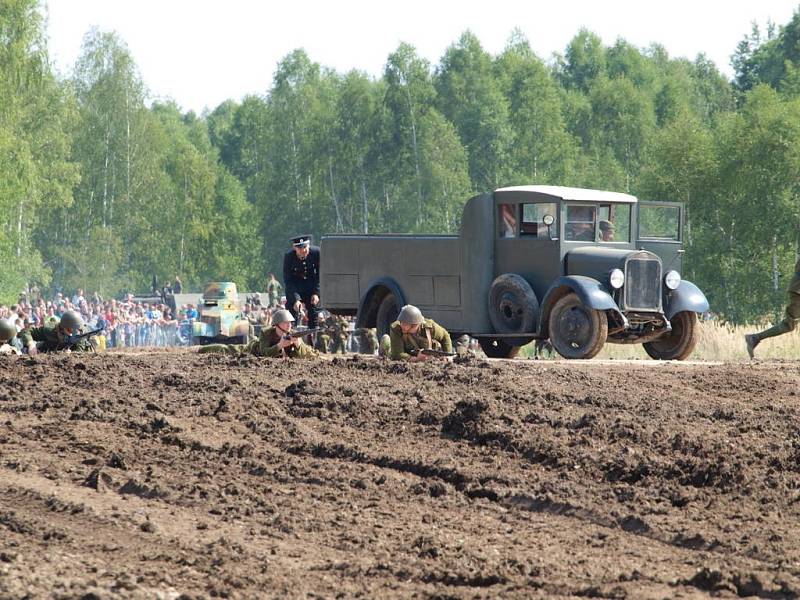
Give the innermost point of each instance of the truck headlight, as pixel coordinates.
(672, 279)
(616, 278)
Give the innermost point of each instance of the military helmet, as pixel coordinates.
(71, 320)
(410, 314)
(282, 316)
(606, 225)
(7, 331)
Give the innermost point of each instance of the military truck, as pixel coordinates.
(579, 267)
(220, 316)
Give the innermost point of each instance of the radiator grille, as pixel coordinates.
(643, 283)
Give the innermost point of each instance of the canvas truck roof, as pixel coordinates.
(571, 193)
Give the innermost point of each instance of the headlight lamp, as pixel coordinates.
(616, 278)
(672, 279)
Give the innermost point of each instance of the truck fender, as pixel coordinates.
(590, 292)
(686, 297)
(377, 289)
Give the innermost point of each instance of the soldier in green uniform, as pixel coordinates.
(790, 320)
(413, 332)
(274, 342)
(8, 332)
(56, 338)
(274, 290)
(367, 340)
(339, 335)
(323, 342)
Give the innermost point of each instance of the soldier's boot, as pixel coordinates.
(751, 341)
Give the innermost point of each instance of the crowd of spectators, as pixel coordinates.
(125, 322)
(130, 322)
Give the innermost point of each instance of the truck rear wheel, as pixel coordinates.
(387, 314)
(495, 348)
(577, 331)
(679, 343)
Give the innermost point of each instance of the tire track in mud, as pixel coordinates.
(464, 484)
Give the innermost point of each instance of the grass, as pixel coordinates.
(718, 341)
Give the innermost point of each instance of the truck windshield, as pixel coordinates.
(580, 223)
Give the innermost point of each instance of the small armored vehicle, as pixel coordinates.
(576, 266)
(220, 316)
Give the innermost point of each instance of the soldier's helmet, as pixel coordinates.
(606, 225)
(7, 331)
(71, 320)
(282, 316)
(410, 314)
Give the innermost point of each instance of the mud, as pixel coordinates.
(179, 475)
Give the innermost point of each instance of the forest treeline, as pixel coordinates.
(102, 189)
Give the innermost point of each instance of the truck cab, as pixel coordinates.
(601, 267)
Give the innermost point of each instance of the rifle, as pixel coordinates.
(298, 333)
(71, 340)
(432, 352)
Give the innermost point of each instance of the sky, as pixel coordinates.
(201, 53)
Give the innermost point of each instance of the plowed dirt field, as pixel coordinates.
(181, 475)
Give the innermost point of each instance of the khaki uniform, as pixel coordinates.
(274, 290)
(266, 345)
(368, 339)
(429, 336)
(792, 312)
(339, 336)
(323, 342)
(52, 339)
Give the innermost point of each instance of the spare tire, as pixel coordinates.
(513, 307)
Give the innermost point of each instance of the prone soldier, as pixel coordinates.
(67, 335)
(8, 332)
(412, 333)
(339, 335)
(274, 342)
(368, 340)
(323, 341)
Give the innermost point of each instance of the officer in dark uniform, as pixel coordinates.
(301, 277)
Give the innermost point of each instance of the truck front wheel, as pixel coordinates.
(679, 343)
(577, 331)
(497, 348)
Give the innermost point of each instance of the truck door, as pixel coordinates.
(660, 231)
